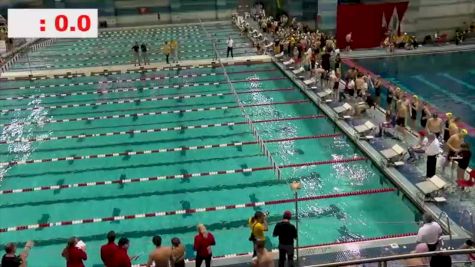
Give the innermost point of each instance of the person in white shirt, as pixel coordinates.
(429, 232)
(230, 43)
(432, 150)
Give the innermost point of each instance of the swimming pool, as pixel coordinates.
(446, 81)
(114, 47)
(80, 140)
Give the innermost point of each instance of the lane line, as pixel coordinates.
(177, 176)
(153, 113)
(195, 210)
(99, 91)
(156, 130)
(163, 150)
(142, 100)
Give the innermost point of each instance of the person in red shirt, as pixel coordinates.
(202, 246)
(121, 258)
(74, 256)
(108, 250)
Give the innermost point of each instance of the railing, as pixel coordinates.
(442, 214)
(385, 259)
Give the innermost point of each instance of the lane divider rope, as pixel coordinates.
(142, 100)
(129, 89)
(153, 113)
(196, 210)
(156, 130)
(177, 176)
(163, 150)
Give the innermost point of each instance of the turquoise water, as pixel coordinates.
(326, 220)
(115, 47)
(446, 81)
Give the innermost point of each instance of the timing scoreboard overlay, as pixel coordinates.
(52, 23)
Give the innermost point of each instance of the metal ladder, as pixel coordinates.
(441, 215)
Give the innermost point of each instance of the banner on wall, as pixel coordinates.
(368, 23)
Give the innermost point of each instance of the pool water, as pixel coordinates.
(446, 81)
(115, 47)
(326, 220)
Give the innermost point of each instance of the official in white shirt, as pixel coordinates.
(432, 150)
(230, 43)
(429, 232)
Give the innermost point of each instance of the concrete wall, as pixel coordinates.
(425, 17)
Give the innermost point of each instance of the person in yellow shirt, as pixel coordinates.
(166, 51)
(258, 225)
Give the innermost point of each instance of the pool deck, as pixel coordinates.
(430, 49)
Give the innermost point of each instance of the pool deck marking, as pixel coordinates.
(165, 150)
(178, 128)
(178, 176)
(156, 78)
(144, 100)
(196, 210)
(450, 77)
(164, 112)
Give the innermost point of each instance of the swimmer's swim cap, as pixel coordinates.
(464, 131)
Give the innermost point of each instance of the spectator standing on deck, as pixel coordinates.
(348, 40)
(429, 232)
(230, 44)
(286, 233)
(10, 259)
(425, 114)
(453, 145)
(160, 256)
(434, 125)
(432, 150)
(178, 253)
(121, 258)
(143, 50)
(258, 225)
(166, 49)
(135, 51)
(446, 126)
(74, 253)
(108, 250)
(202, 245)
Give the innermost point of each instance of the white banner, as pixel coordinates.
(52, 23)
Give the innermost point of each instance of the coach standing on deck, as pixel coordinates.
(286, 233)
(230, 43)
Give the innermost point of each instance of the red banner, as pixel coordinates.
(368, 23)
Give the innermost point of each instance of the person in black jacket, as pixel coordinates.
(286, 233)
